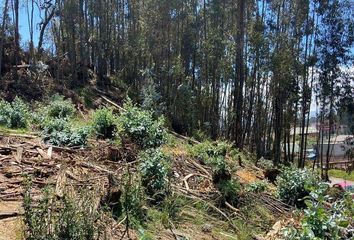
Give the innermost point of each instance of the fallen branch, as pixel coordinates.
(98, 168)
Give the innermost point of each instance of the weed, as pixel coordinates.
(58, 107)
(257, 187)
(293, 184)
(15, 114)
(141, 128)
(230, 191)
(67, 218)
(104, 123)
(59, 132)
(154, 171)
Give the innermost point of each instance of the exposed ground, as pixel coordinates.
(23, 156)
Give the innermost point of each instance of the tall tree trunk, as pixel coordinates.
(2, 39)
(239, 76)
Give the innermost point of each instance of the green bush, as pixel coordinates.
(15, 114)
(141, 128)
(71, 219)
(322, 222)
(257, 187)
(5, 109)
(59, 132)
(208, 151)
(104, 123)
(133, 201)
(214, 154)
(229, 190)
(58, 107)
(154, 171)
(293, 184)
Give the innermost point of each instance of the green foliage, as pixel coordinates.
(58, 107)
(321, 222)
(230, 190)
(15, 114)
(87, 96)
(72, 219)
(151, 98)
(265, 164)
(208, 151)
(257, 187)
(293, 184)
(59, 132)
(154, 172)
(213, 154)
(133, 200)
(141, 128)
(104, 123)
(341, 174)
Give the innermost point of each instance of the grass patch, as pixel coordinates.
(6, 130)
(341, 174)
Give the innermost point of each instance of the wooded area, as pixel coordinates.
(148, 116)
(247, 71)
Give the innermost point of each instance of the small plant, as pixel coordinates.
(133, 200)
(67, 218)
(264, 164)
(151, 98)
(257, 187)
(154, 172)
(15, 114)
(230, 190)
(104, 123)
(141, 128)
(321, 222)
(58, 107)
(5, 109)
(293, 184)
(207, 151)
(59, 132)
(214, 154)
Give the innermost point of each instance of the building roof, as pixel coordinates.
(339, 139)
(311, 130)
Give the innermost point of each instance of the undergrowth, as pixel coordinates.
(104, 123)
(15, 114)
(293, 185)
(67, 218)
(140, 126)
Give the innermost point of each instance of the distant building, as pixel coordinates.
(338, 146)
(311, 131)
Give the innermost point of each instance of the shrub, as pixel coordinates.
(58, 107)
(5, 109)
(58, 132)
(265, 164)
(322, 222)
(229, 190)
(214, 154)
(104, 123)
(133, 200)
(208, 151)
(293, 184)
(151, 98)
(257, 187)
(71, 218)
(154, 172)
(141, 128)
(14, 115)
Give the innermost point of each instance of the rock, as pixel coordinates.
(207, 228)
